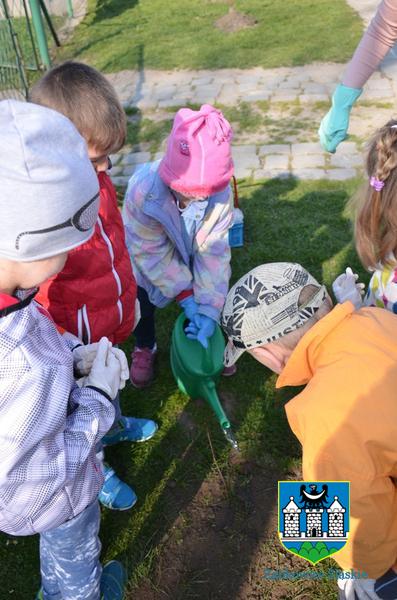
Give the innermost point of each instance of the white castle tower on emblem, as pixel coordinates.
(335, 519)
(291, 519)
(314, 522)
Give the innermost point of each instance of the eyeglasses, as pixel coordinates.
(82, 220)
(97, 161)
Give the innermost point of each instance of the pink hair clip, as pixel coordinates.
(376, 183)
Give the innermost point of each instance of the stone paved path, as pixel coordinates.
(308, 86)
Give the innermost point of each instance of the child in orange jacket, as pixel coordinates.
(345, 416)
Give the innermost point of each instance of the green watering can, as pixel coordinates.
(197, 370)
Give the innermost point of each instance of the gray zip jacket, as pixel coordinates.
(48, 426)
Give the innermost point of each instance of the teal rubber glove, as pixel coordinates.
(334, 126)
(201, 330)
(190, 307)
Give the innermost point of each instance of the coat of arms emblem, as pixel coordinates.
(313, 517)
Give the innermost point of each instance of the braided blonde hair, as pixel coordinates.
(376, 211)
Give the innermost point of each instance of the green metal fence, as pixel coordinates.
(27, 34)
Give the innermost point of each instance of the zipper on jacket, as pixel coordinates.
(114, 272)
(83, 325)
(120, 307)
(86, 326)
(80, 324)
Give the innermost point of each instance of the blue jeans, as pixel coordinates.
(69, 558)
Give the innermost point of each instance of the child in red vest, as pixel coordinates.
(95, 294)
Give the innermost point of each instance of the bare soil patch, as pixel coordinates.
(220, 546)
(235, 21)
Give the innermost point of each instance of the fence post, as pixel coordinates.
(40, 32)
(16, 48)
(70, 8)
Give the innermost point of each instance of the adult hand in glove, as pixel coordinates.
(84, 356)
(201, 329)
(346, 287)
(105, 373)
(190, 307)
(334, 126)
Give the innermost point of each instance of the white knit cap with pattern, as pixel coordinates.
(49, 195)
(265, 305)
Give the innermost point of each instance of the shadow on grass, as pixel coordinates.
(134, 115)
(304, 222)
(105, 38)
(108, 9)
(285, 220)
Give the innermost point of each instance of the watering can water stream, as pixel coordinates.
(197, 370)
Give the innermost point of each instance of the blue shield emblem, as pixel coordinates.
(313, 517)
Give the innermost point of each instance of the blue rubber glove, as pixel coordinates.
(190, 307)
(334, 126)
(201, 329)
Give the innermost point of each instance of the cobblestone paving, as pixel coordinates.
(308, 86)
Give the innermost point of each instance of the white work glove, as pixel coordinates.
(84, 356)
(357, 589)
(346, 287)
(105, 373)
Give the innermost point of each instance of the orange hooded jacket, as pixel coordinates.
(346, 421)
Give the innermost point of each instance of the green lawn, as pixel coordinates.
(131, 34)
(284, 220)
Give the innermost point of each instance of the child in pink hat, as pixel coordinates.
(177, 213)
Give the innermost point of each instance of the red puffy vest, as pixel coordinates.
(95, 294)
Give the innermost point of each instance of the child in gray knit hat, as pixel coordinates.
(50, 476)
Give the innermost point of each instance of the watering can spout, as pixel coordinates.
(197, 370)
(210, 394)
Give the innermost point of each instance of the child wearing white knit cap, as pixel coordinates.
(50, 476)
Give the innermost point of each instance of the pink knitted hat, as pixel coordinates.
(198, 160)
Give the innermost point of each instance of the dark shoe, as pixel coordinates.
(229, 371)
(142, 367)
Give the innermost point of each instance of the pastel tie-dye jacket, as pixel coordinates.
(163, 265)
(382, 289)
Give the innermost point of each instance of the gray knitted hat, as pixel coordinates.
(49, 197)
